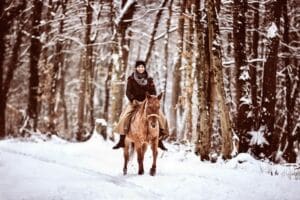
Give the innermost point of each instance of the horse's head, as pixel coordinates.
(152, 109)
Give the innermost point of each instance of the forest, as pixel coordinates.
(229, 70)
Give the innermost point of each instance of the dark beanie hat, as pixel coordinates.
(140, 62)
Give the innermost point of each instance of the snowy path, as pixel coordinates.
(57, 170)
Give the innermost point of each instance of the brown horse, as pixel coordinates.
(144, 130)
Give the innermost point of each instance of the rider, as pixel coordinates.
(138, 84)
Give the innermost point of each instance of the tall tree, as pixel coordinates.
(254, 66)
(56, 73)
(84, 106)
(120, 56)
(203, 94)
(6, 21)
(189, 56)
(166, 50)
(154, 30)
(35, 51)
(292, 90)
(217, 95)
(176, 72)
(269, 82)
(243, 91)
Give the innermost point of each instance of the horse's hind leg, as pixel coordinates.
(140, 155)
(126, 158)
(154, 145)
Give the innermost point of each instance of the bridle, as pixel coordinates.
(148, 116)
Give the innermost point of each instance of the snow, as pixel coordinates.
(245, 100)
(257, 137)
(244, 76)
(272, 31)
(124, 10)
(40, 169)
(101, 121)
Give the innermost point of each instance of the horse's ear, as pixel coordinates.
(160, 96)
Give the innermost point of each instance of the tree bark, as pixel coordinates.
(166, 52)
(120, 59)
(176, 74)
(154, 30)
(253, 69)
(288, 139)
(217, 86)
(56, 78)
(35, 51)
(202, 75)
(85, 80)
(269, 88)
(6, 20)
(189, 72)
(243, 90)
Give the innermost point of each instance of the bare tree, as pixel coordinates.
(84, 106)
(154, 30)
(120, 56)
(243, 90)
(189, 56)
(216, 80)
(6, 21)
(35, 51)
(176, 72)
(56, 77)
(269, 85)
(203, 94)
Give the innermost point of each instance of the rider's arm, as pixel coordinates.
(151, 87)
(129, 89)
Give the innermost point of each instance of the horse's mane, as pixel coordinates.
(138, 107)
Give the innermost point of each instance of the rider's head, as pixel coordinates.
(140, 66)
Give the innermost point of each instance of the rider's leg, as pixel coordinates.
(123, 126)
(121, 142)
(163, 131)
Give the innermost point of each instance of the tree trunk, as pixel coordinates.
(120, 59)
(166, 52)
(176, 74)
(243, 91)
(85, 79)
(6, 19)
(217, 85)
(288, 139)
(154, 30)
(269, 88)
(202, 75)
(188, 133)
(56, 76)
(35, 51)
(253, 69)
(13, 64)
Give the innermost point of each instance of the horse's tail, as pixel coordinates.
(131, 150)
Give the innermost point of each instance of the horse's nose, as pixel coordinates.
(153, 124)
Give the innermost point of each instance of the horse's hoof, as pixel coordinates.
(141, 172)
(124, 172)
(152, 172)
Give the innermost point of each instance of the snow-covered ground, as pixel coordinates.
(60, 170)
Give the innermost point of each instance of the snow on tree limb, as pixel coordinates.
(128, 4)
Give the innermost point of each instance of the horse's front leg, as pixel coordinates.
(126, 157)
(140, 157)
(154, 145)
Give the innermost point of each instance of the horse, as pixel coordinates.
(144, 131)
